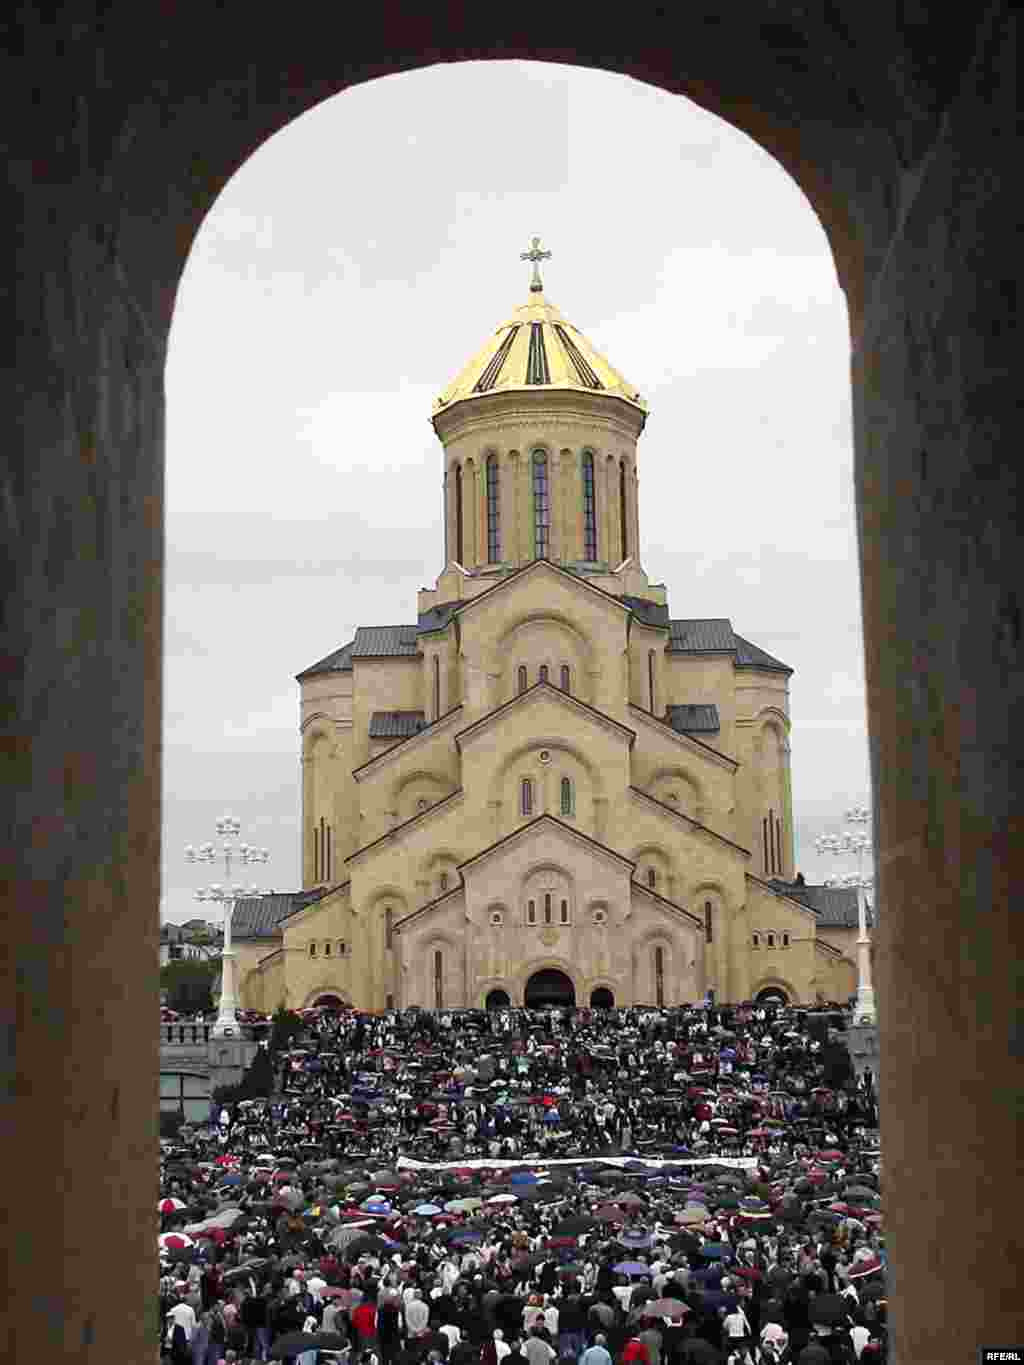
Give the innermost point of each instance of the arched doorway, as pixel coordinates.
(497, 1000)
(602, 999)
(330, 1002)
(549, 987)
(772, 995)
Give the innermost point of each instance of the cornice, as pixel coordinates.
(444, 805)
(669, 905)
(774, 891)
(518, 409)
(686, 741)
(687, 820)
(530, 827)
(406, 746)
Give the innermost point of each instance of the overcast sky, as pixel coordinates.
(353, 266)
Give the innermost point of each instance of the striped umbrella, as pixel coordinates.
(169, 1205)
(175, 1241)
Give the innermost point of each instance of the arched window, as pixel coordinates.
(458, 513)
(542, 675)
(589, 509)
(389, 926)
(650, 678)
(708, 928)
(623, 531)
(565, 679)
(526, 796)
(785, 940)
(541, 505)
(564, 912)
(493, 512)
(659, 976)
(547, 907)
(437, 687)
(568, 805)
(312, 950)
(531, 912)
(438, 980)
(327, 948)
(342, 948)
(522, 678)
(652, 878)
(757, 939)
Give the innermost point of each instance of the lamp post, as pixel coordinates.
(228, 828)
(856, 841)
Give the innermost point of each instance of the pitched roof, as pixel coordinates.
(261, 916)
(396, 724)
(694, 718)
(715, 635)
(835, 906)
(648, 612)
(340, 661)
(374, 642)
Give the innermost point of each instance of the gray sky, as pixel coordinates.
(353, 266)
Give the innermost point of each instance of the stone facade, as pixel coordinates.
(504, 788)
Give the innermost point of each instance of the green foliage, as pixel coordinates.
(256, 1084)
(284, 1026)
(188, 983)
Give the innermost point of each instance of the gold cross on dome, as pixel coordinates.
(535, 256)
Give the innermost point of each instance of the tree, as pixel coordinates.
(188, 983)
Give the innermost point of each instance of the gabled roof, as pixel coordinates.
(715, 635)
(340, 661)
(694, 718)
(547, 688)
(376, 642)
(547, 818)
(688, 820)
(396, 724)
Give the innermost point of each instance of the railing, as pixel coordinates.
(185, 1033)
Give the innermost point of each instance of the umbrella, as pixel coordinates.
(175, 1241)
(503, 1199)
(427, 1210)
(666, 1308)
(294, 1343)
(866, 1267)
(716, 1251)
(572, 1227)
(522, 1178)
(631, 1268)
(169, 1205)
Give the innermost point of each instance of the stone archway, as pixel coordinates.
(328, 1000)
(602, 998)
(772, 995)
(549, 986)
(497, 999)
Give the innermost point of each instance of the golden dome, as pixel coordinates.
(537, 349)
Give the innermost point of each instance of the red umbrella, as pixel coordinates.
(169, 1206)
(861, 1269)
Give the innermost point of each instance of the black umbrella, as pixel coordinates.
(572, 1227)
(362, 1246)
(830, 1310)
(294, 1343)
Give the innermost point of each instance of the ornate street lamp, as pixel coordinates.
(855, 841)
(228, 828)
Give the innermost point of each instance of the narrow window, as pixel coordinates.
(312, 950)
(757, 939)
(493, 513)
(323, 850)
(316, 854)
(526, 797)
(771, 940)
(389, 1002)
(623, 533)
(542, 675)
(778, 846)
(565, 679)
(458, 513)
(327, 831)
(444, 881)
(522, 681)
(659, 976)
(438, 980)
(541, 505)
(589, 510)
(547, 908)
(785, 940)
(708, 935)
(531, 912)
(567, 801)
(341, 947)
(565, 912)
(767, 847)
(652, 878)
(437, 687)
(327, 948)
(389, 926)
(650, 678)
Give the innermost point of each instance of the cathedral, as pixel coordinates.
(545, 789)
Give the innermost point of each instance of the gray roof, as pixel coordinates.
(338, 662)
(835, 906)
(373, 642)
(396, 724)
(710, 636)
(437, 616)
(261, 916)
(751, 656)
(650, 613)
(694, 718)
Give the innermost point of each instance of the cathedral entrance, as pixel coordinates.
(602, 999)
(549, 987)
(772, 995)
(497, 1000)
(330, 1002)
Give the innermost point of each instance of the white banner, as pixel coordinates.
(734, 1163)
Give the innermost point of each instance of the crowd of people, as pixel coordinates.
(557, 1187)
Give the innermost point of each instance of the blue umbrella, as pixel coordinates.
(425, 1210)
(631, 1268)
(639, 1240)
(232, 1180)
(552, 1116)
(467, 1235)
(522, 1178)
(716, 1251)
